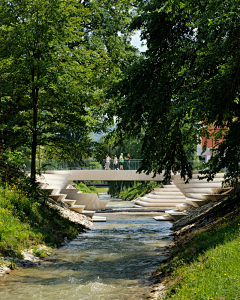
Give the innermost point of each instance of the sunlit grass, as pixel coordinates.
(208, 267)
(102, 190)
(26, 221)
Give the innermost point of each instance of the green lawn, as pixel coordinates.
(206, 267)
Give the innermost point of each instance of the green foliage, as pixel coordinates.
(27, 220)
(85, 189)
(188, 75)
(102, 190)
(41, 253)
(12, 265)
(56, 60)
(131, 190)
(132, 146)
(11, 167)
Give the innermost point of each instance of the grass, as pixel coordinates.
(27, 220)
(207, 266)
(102, 190)
(86, 189)
(41, 253)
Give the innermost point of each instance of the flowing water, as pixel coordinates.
(111, 261)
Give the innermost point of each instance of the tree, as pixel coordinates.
(187, 80)
(54, 72)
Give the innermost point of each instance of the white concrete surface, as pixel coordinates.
(77, 208)
(107, 175)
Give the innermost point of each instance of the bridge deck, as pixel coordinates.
(107, 175)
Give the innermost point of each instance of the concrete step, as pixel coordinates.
(180, 181)
(52, 191)
(175, 200)
(58, 197)
(77, 208)
(150, 204)
(167, 190)
(196, 202)
(98, 219)
(209, 197)
(54, 180)
(175, 215)
(165, 196)
(69, 201)
(183, 206)
(200, 184)
(163, 218)
(163, 192)
(70, 192)
(89, 213)
(169, 186)
(207, 190)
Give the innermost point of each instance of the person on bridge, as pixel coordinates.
(107, 162)
(128, 161)
(121, 160)
(115, 162)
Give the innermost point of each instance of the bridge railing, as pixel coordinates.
(52, 164)
(135, 164)
(90, 164)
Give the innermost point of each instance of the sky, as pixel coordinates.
(137, 43)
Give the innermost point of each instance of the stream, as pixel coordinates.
(111, 261)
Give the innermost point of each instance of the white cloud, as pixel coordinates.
(137, 42)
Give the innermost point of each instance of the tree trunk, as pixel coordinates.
(34, 131)
(33, 157)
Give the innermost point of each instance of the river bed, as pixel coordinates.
(111, 261)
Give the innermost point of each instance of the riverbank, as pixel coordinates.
(203, 258)
(31, 226)
(112, 261)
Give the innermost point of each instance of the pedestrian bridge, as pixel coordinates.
(106, 175)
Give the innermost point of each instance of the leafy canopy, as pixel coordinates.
(187, 80)
(57, 59)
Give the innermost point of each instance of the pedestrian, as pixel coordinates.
(121, 160)
(115, 162)
(128, 161)
(107, 162)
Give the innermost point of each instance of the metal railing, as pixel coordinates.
(90, 164)
(135, 164)
(51, 164)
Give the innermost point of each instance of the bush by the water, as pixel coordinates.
(129, 190)
(27, 220)
(86, 189)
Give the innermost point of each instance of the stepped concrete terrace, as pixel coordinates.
(165, 196)
(197, 193)
(57, 187)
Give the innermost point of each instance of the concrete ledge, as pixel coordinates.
(163, 218)
(107, 175)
